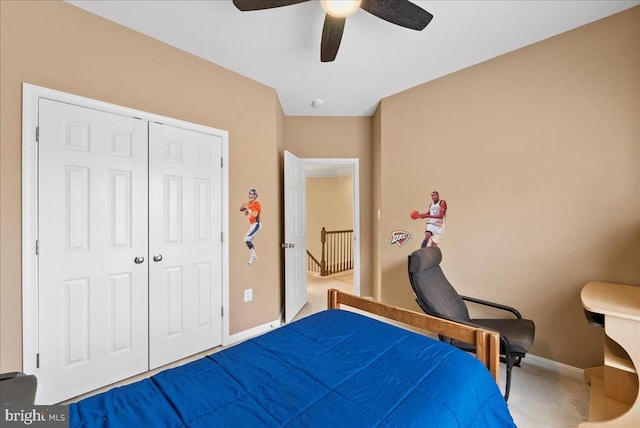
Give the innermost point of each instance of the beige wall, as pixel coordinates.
(340, 137)
(537, 153)
(329, 205)
(56, 45)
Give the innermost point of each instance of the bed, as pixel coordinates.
(331, 369)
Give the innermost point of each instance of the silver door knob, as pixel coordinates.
(157, 258)
(139, 260)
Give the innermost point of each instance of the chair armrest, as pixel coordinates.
(506, 308)
(504, 340)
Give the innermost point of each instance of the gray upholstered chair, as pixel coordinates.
(437, 297)
(17, 389)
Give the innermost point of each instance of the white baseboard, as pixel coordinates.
(560, 369)
(255, 331)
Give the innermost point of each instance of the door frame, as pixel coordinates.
(354, 164)
(30, 96)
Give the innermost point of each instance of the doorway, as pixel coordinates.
(295, 230)
(343, 171)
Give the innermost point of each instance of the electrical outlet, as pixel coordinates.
(248, 294)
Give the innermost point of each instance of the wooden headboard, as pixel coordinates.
(487, 342)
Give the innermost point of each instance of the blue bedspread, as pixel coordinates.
(332, 369)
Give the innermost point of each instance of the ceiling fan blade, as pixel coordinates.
(331, 37)
(247, 5)
(399, 12)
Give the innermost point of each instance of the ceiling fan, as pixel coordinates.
(399, 12)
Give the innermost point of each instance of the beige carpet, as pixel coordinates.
(539, 398)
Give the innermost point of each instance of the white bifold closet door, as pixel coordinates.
(92, 224)
(129, 264)
(185, 277)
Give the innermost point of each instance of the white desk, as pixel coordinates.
(614, 400)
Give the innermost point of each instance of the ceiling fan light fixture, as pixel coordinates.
(340, 8)
(403, 13)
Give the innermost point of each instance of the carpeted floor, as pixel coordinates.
(539, 397)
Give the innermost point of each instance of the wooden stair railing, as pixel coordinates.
(313, 265)
(337, 252)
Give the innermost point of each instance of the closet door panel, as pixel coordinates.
(92, 224)
(185, 277)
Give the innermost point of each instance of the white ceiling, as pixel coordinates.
(281, 47)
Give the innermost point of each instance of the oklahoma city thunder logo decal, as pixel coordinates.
(399, 237)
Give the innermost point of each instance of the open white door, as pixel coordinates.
(295, 239)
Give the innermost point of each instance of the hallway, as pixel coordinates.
(317, 287)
